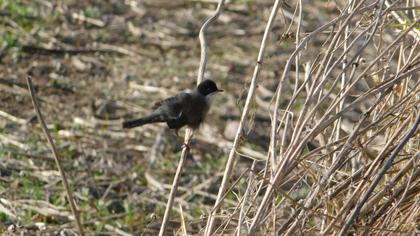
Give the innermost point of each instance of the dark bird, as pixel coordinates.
(182, 109)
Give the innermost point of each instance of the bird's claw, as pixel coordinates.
(186, 146)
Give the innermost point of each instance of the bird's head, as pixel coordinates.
(208, 87)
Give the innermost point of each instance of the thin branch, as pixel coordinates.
(378, 178)
(55, 154)
(203, 41)
(188, 132)
(175, 184)
(231, 159)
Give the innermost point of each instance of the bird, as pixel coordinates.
(184, 109)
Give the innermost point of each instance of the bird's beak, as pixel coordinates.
(220, 90)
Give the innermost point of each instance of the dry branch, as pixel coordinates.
(51, 144)
(231, 159)
(380, 175)
(325, 92)
(189, 132)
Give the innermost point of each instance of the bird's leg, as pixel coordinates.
(186, 146)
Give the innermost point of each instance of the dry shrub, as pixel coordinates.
(344, 152)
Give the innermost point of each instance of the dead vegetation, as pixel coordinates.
(322, 140)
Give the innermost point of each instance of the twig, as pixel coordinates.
(88, 20)
(12, 118)
(415, 33)
(116, 230)
(188, 132)
(231, 158)
(55, 154)
(99, 48)
(4, 138)
(378, 178)
(175, 183)
(242, 212)
(184, 227)
(203, 41)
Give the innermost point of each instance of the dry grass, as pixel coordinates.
(327, 143)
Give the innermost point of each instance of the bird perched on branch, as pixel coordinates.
(182, 109)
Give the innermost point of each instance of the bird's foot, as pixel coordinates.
(186, 146)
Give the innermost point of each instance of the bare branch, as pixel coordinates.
(55, 154)
(189, 132)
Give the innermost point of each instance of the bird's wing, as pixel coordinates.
(173, 106)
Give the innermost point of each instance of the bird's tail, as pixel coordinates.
(152, 118)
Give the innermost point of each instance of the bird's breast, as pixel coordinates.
(197, 111)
